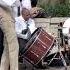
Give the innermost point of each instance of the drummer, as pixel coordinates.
(66, 30)
(66, 33)
(24, 26)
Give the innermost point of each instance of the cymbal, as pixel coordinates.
(60, 27)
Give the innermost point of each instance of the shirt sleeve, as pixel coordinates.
(18, 27)
(65, 31)
(19, 31)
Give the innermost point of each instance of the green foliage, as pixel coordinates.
(58, 10)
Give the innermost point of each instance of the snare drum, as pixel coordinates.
(38, 46)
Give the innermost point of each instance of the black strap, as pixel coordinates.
(19, 11)
(1, 42)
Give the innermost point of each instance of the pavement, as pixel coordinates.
(50, 68)
(31, 67)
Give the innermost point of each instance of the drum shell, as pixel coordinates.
(39, 48)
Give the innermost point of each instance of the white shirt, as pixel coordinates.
(20, 25)
(12, 5)
(8, 2)
(66, 26)
(26, 4)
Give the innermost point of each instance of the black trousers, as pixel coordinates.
(22, 45)
(1, 43)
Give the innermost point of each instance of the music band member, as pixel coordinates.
(66, 29)
(24, 27)
(66, 33)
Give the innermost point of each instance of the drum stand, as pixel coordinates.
(59, 51)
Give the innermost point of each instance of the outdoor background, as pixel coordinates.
(55, 8)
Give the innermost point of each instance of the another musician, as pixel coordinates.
(66, 33)
(9, 60)
(24, 26)
(66, 28)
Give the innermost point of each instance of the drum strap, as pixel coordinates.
(29, 32)
(19, 11)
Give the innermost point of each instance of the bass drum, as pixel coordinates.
(38, 46)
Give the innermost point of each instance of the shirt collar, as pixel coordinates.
(23, 19)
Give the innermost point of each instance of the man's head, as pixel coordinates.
(25, 14)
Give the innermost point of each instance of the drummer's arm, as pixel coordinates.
(20, 33)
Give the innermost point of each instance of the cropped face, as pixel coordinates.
(26, 14)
